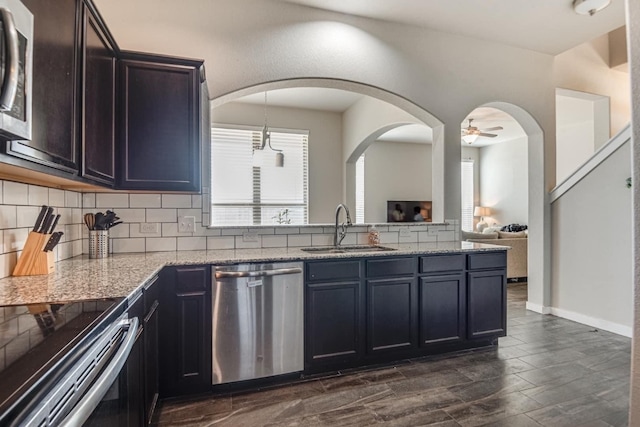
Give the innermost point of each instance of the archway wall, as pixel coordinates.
(444, 74)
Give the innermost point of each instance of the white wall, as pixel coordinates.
(504, 181)
(585, 68)
(591, 256)
(395, 171)
(325, 148)
(473, 153)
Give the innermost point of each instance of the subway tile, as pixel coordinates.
(262, 230)
(1, 191)
(446, 236)
(232, 231)
(170, 229)
(128, 245)
(197, 213)
(65, 250)
(77, 247)
(274, 241)
(135, 230)
(161, 244)
(162, 215)
(8, 217)
(196, 201)
(412, 237)
(205, 219)
(15, 193)
(15, 239)
(312, 230)
(88, 200)
(287, 230)
(66, 215)
(241, 244)
(297, 240)
(2, 250)
(389, 237)
(222, 242)
(425, 236)
(176, 201)
(112, 200)
(321, 239)
(349, 239)
(131, 215)
(145, 200)
(205, 231)
(38, 195)
(205, 203)
(56, 197)
(192, 243)
(71, 199)
(26, 216)
(120, 231)
(76, 216)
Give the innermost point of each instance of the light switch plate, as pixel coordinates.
(186, 224)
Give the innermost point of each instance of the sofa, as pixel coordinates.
(516, 256)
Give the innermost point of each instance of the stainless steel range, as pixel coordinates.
(257, 321)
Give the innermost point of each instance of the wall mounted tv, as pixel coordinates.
(408, 210)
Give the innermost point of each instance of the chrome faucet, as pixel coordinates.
(339, 235)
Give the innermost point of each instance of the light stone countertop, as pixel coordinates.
(81, 278)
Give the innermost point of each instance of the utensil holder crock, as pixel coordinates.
(98, 243)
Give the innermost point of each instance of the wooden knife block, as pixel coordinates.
(33, 261)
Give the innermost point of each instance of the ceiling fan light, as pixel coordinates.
(589, 7)
(469, 138)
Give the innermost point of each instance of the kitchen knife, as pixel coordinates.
(48, 219)
(53, 241)
(55, 222)
(43, 211)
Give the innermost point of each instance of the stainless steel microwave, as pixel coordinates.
(16, 54)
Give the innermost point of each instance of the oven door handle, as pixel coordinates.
(90, 401)
(11, 67)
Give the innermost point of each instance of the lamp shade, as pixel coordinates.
(470, 138)
(481, 211)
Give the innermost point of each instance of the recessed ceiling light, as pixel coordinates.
(589, 7)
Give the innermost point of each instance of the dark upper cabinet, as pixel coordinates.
(54, 140)
(185, 322)
(97, 123)
(443, 301)
(159, 123)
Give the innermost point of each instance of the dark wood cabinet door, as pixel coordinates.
(486, 307)
(134, 386)
(98, 101)
(54, 140)
(334, 323)
(185, 322)
(442, 309)
(159, 122)
(392, 314)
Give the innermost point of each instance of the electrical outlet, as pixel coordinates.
(186, 224)
(149, 227)
(404, 232)
(249, 237)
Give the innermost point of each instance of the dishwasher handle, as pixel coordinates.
(221, 274)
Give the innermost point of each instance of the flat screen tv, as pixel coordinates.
(409, 211)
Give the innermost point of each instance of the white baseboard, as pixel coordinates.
(606, 325)
(538, 308)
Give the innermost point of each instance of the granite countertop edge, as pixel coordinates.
(122, 275)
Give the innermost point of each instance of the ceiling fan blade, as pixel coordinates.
(487, 135)
(492, 129)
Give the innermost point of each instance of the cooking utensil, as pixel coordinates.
(99, 221)
(53, 241)
(90, 220)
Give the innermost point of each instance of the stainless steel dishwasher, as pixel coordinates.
(257, 321)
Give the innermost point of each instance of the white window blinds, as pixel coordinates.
(247, 188)
(466, 169)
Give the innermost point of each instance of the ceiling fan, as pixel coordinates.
(471, 133)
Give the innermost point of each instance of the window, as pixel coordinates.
(466, 169)
(247, 188)
(360, 190)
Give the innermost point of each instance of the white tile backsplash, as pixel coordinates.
(176, 201)
(274, 241)
(26, 215)
(112, 200)
(161, 244)
(299, 240)
(145, 200)
(192, 243)
(56, 197)
(131, 215)
(15, 193)
(88, 200)
(128, 245)
(38, 195)
(221, 242)
(8, 216)
(72, 199)
(162, 215)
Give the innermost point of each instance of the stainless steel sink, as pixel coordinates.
(347, 249)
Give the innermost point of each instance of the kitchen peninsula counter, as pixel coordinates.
(120, 275)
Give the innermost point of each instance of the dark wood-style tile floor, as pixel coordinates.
(547, 372)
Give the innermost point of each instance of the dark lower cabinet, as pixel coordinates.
(135, 387)
(392, 315)
(159, 123)
(151, 350)
(487, 296)
(333, 323)
(443, 301)
(185, 322)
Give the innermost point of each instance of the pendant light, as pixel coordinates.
(266, 138)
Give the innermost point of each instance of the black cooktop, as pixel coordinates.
(37, 338)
